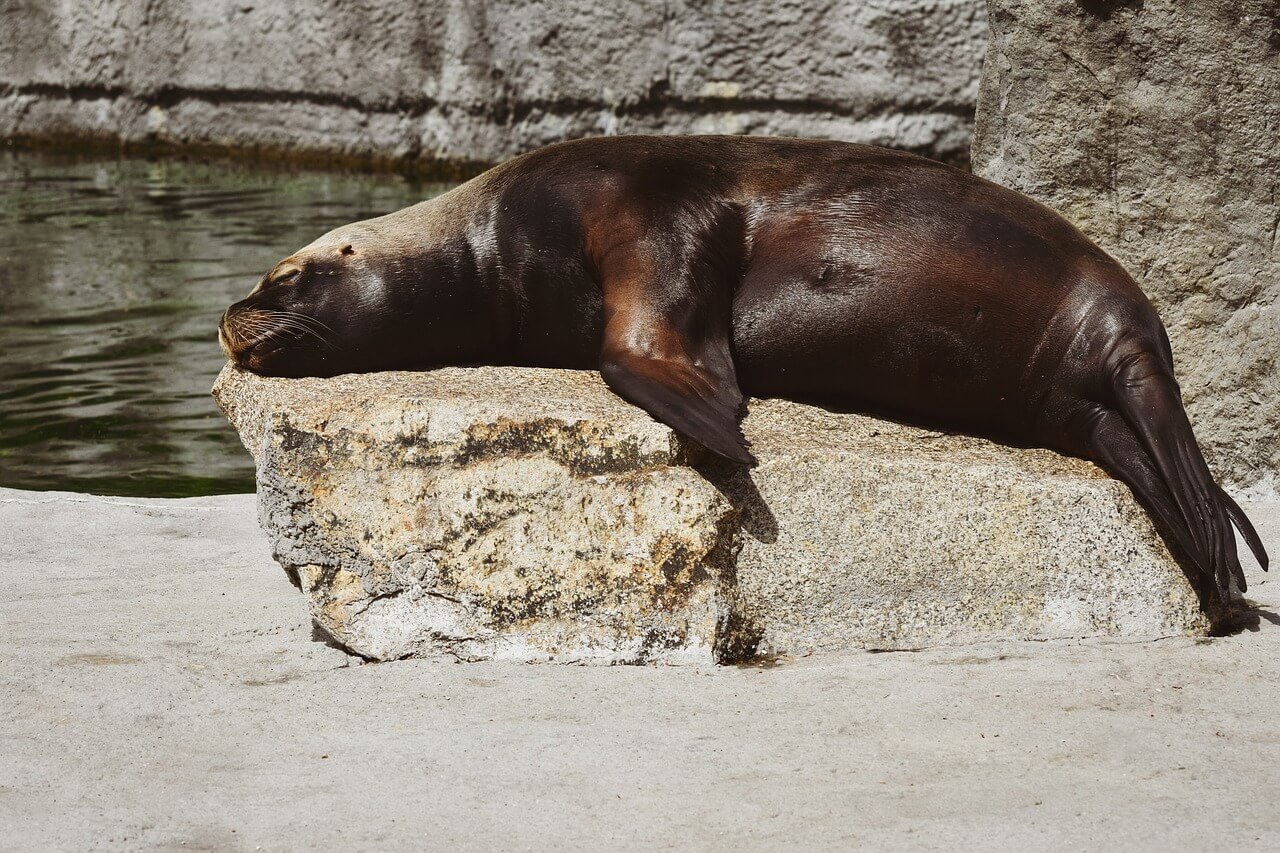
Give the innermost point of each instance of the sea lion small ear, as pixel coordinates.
(346, 249)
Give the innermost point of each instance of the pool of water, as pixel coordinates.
(113, 274)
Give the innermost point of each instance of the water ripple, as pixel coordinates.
(113, 274)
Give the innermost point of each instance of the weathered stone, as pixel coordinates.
(1155, 126)
(460, 80)
(532, 514)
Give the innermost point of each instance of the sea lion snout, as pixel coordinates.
(223, 343)
(243, 331)
(276, 341)
(305, 311)
(276, 329)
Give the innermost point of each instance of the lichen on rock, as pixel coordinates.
(527, 514)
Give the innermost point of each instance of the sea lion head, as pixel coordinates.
(358, 299)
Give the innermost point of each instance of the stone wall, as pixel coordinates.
(1154, 125)
(478, 82)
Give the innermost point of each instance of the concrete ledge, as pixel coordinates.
(160, 689)
(532, 515)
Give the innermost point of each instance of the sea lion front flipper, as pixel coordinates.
(685, 396)
(666, 337)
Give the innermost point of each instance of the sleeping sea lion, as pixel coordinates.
(692, 270)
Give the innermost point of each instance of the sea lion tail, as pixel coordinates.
(1148, 398)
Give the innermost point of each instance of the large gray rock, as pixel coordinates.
(465, 81)
(1155, 126)
(532, 514)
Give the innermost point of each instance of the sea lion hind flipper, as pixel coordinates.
(1112, 444)
(1146, 394)
(684, 396)
(1245, 526)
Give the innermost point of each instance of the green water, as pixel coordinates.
(113, 274)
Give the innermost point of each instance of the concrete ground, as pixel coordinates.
(160, 689)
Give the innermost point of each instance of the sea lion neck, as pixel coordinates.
(450, 292)
(526, 267)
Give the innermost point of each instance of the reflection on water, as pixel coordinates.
(112, 277)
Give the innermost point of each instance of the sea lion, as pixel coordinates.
(690, 270)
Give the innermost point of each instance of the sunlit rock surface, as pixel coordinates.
(533, 515)
(1155, 127)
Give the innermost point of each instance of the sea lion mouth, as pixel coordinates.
(250, 336)
(223, 344)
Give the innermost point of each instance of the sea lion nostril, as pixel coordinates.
(224, 342)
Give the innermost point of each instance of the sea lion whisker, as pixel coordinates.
(246, 319)
(296, 323)
(240, 330)
(258, 325)
(297, 315)
(290, 323)
(246, 324)
(248, 334)
(255, 327)
(262, 338)
(278, 329)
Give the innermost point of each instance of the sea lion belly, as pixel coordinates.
(905, 299)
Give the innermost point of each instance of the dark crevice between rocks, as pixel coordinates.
(506, 111)
(737, 634)
(734, 482)
(1104, 9)
(738, 638)
(682, 574)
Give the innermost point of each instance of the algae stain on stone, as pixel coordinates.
(97, 659)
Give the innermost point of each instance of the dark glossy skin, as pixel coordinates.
(690, 270)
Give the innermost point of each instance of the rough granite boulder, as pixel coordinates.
(457, 80)
(533, 515)
(1154, 125)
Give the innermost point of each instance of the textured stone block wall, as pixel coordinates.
(482, 81)
(1154, 125)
